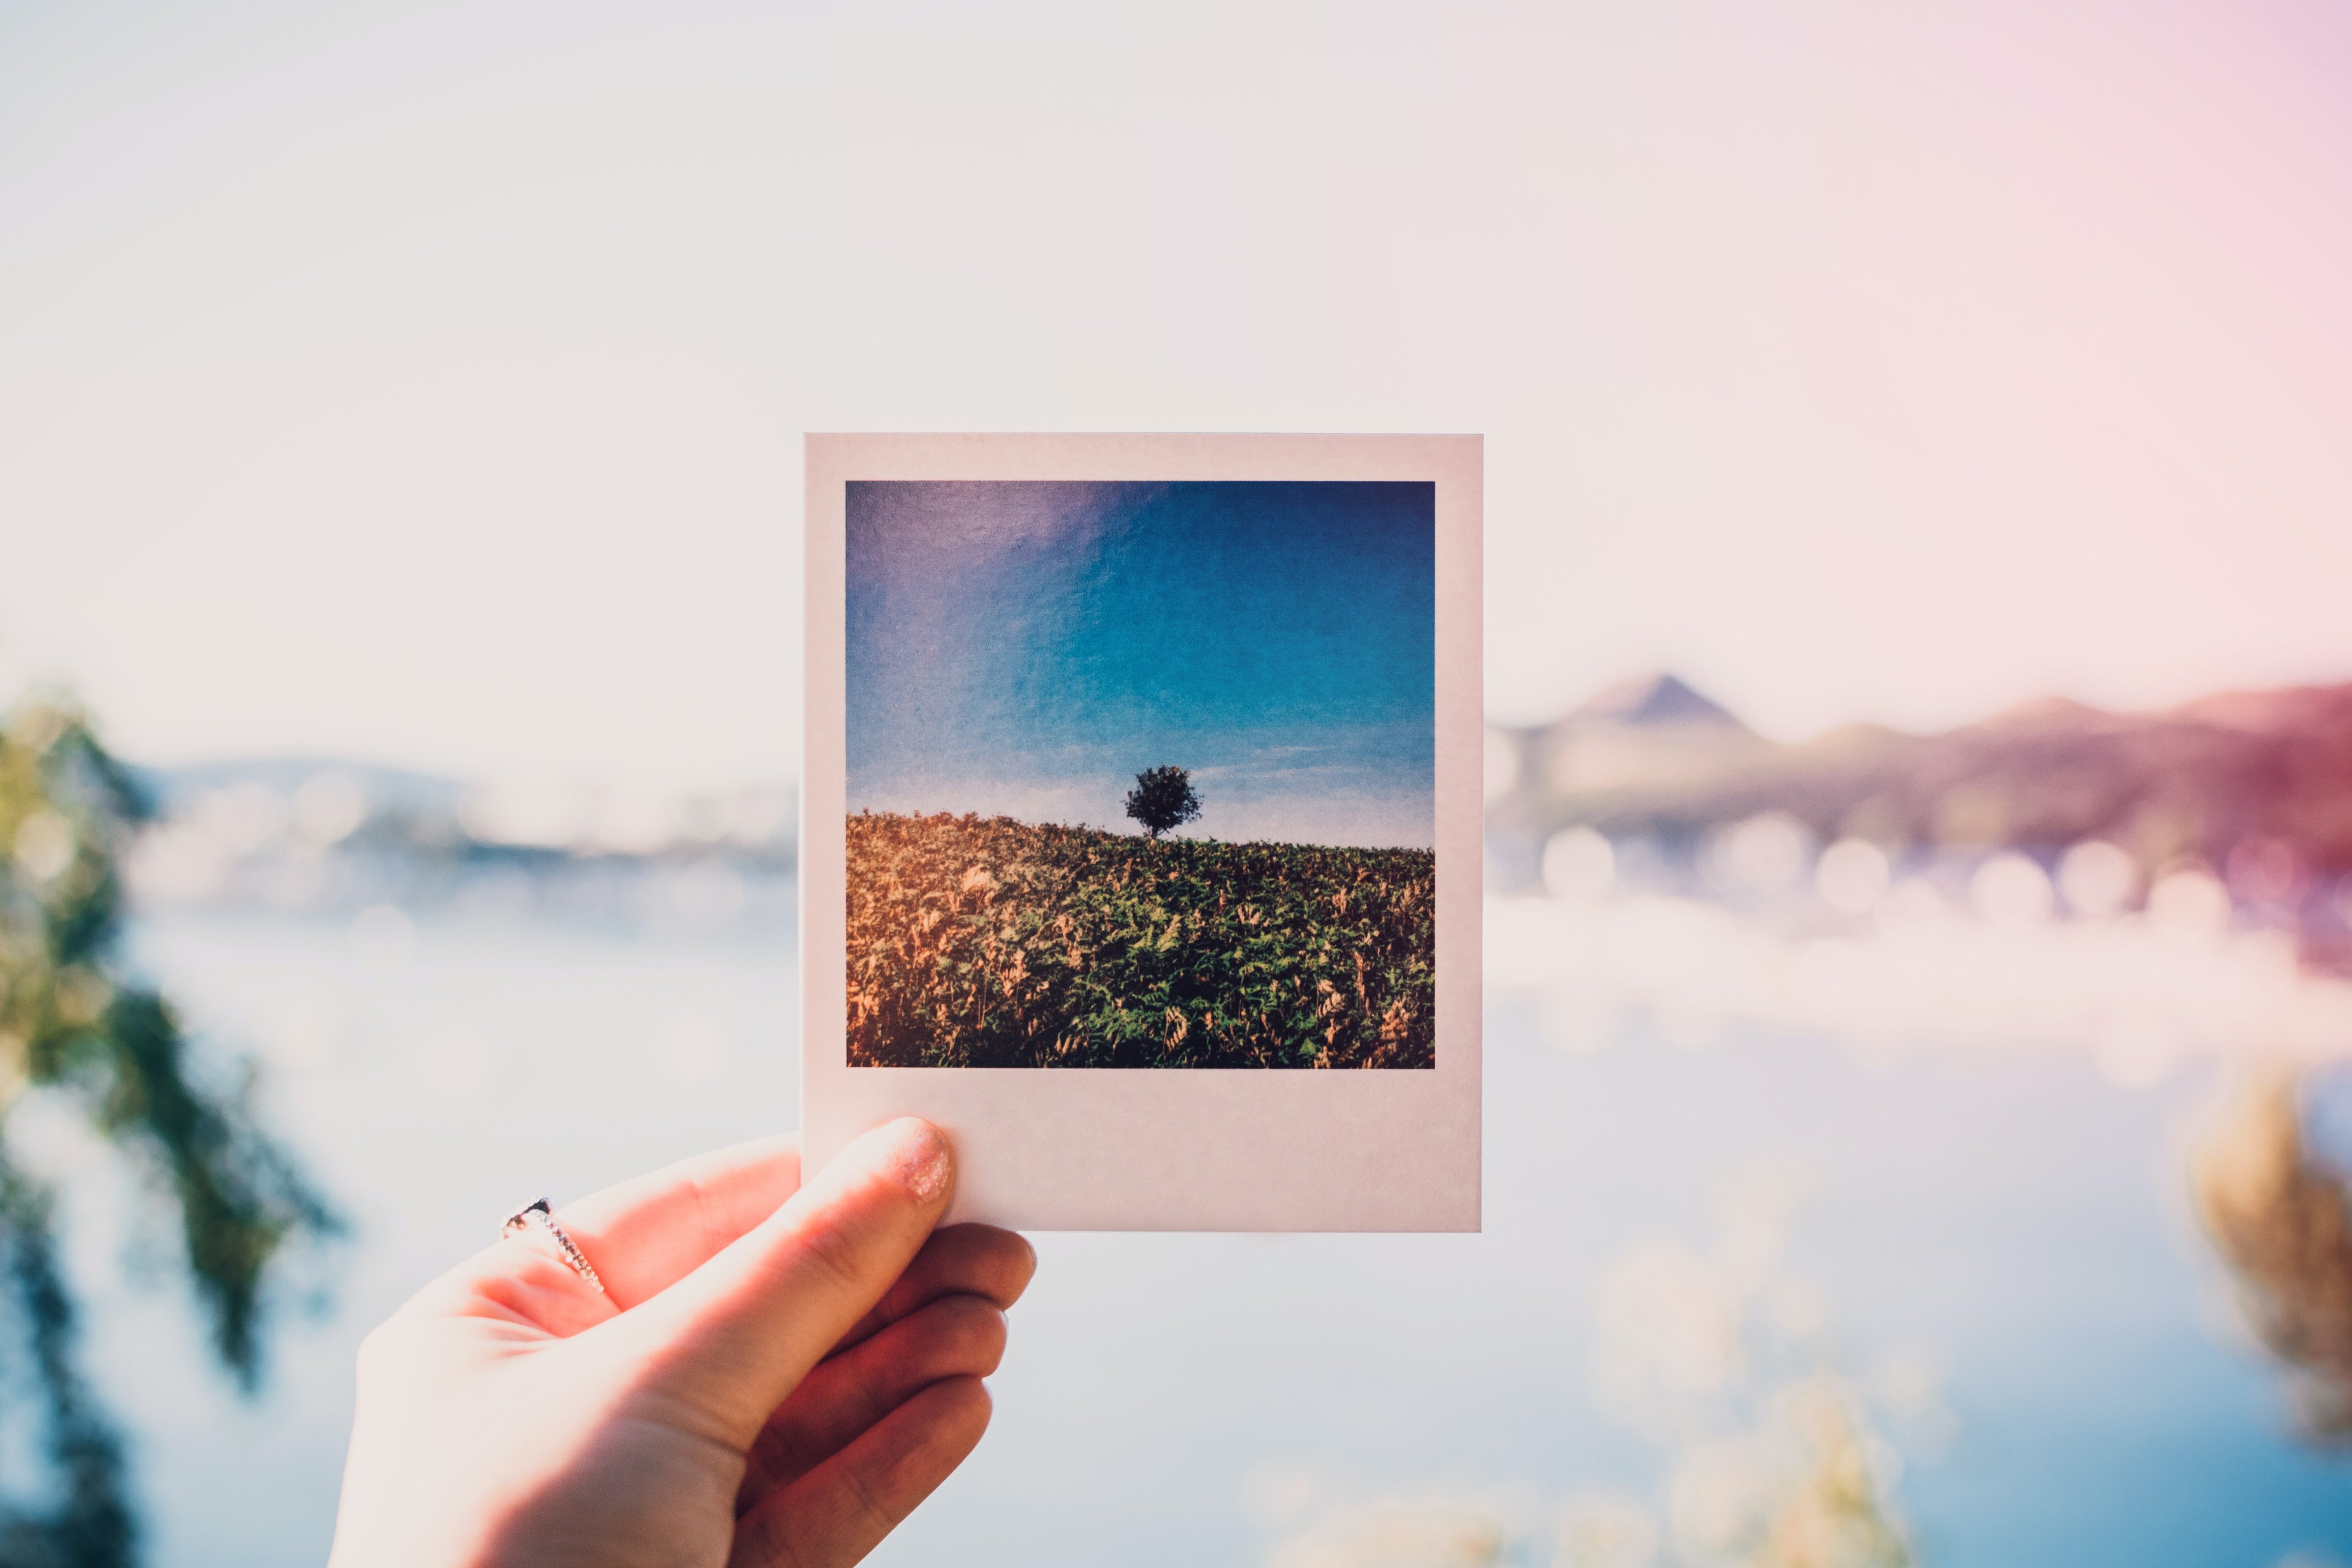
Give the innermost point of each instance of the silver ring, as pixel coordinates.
(537, 1212)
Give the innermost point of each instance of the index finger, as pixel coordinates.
(958, 1260)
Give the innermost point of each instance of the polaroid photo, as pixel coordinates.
(1140, 839)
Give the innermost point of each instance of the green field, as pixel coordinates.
(983, 942)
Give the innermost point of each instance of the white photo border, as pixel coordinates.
(1180, 1148)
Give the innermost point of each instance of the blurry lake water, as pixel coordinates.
(2012, 1220)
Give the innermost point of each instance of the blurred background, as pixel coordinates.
(1919, 765)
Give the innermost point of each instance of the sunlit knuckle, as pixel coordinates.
(710, 1222)
(836, 1253)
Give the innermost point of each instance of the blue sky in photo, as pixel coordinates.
(1027, 648)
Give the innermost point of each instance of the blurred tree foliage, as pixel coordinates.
(2281, 1214)
(74, 1027)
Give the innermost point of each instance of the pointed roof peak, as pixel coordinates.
(1658, 698)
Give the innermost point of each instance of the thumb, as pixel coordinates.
(731, 1339)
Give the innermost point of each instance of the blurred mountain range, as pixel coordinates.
(2257, 785)
(311, 834)
(2250, 790)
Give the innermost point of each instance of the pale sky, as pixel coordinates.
(425, 384)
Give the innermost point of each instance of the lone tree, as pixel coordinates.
(1162, 798)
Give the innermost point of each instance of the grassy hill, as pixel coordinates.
(983, 942)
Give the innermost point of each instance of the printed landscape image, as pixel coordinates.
(1141, 775)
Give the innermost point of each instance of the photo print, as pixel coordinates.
(1139, 836)
(1141, 775)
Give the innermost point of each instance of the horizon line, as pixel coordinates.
(1121, 833)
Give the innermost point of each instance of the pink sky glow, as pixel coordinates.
(426, 383)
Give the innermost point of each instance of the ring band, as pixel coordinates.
(537, 1212)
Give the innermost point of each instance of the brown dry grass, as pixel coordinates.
(983, 942)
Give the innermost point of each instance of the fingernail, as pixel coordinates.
(923, 1163)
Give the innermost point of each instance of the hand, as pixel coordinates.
(778, 1374)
